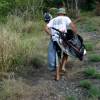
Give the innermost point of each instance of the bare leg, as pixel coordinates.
(61, 66)
(58, 64)
(58, 73)
(64, 61)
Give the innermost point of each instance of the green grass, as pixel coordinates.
(97, 75)
(86, 84)
(89, 46)
(87, 24)
(70, 98)
(90, 72)
(94, 57)
(94, 92)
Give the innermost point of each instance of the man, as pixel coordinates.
(47, 16)
(61, 22)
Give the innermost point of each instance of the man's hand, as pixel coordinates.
(77, 20)
(47, 30)
(73, 27)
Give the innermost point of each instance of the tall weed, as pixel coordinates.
(19, 42)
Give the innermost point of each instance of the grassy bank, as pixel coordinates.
(23, 47)
(20, 42)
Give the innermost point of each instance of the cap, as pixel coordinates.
(61, 11)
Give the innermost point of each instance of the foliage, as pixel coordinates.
(89, 5)
(26, 8)
(6, 6)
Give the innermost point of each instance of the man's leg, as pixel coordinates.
(63, 62)
(58, 66)
(58, 73)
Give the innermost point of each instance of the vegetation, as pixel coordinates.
(86, 84)
(23, 48)
(71, 98)
(94, 57)
(14, 89)
(88, 46)
(91, 72)
(94, 92)
(18, 42)
(31, 9)
(90, 4)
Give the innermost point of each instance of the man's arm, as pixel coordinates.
(73, 27)
(77, 20)
(47, 30)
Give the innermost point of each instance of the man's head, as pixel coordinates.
(61, 11)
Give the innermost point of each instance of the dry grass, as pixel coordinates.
(19, 42)
(15, 90)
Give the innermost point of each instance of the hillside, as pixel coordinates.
(24, 74)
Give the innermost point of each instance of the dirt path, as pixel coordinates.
(46, 88)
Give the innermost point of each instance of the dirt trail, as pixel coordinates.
(46, 88)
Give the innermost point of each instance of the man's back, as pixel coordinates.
(59, 22)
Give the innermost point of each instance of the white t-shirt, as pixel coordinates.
(59, 22)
